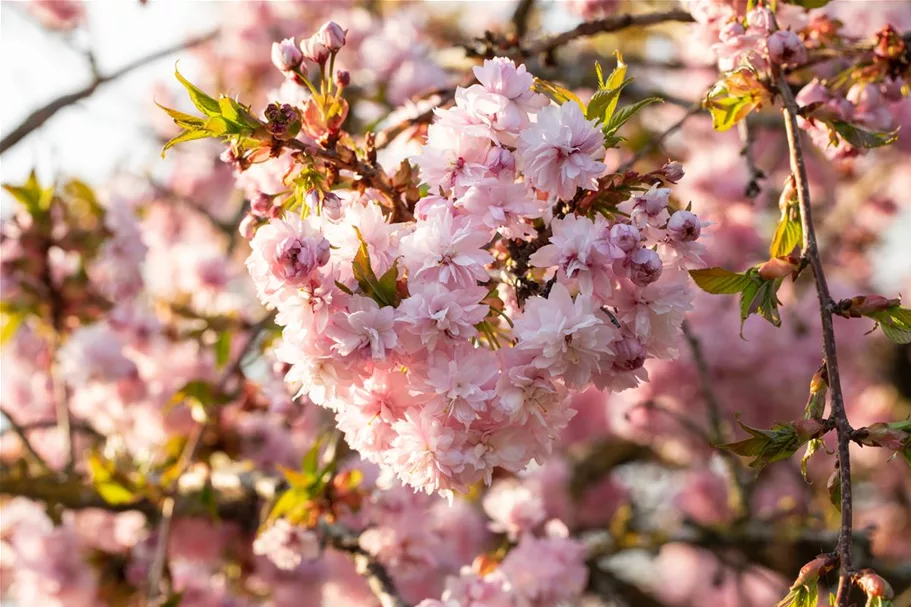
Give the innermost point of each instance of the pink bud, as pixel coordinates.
(891, 89)
(873, 585)
(881, 435)
(342, 78)
(809, 428)
(731, 31)
(684, 226)
(500, 159)
(286, 56)
(644, 267)
(785, 48)
(630, 354)
(814, 569)
(332, 36)
(673, 171)
(314, 50)
(625, 237)
(247, 227)
(261, 204)
(331, 207)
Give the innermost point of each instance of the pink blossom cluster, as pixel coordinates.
(755, 40)
(421, 387)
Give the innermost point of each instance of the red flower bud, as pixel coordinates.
(873, 585)
(809, 428)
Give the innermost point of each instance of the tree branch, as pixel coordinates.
(37, 118)
(612, 23)
(746, 139)
(520, 17)
(826, 305)
(374, 572)
(22, 433)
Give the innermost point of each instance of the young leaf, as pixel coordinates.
(185, 136)
(732, 98)
(205, 104)
(10, 321)
(556, 92)
(625, 113)
(223, 348)
(185, 121)
(33, 197)
(604, 99)
(895, 322)
(862, 138)
(788, 235)
(615, 80)
(382, 291)
(719, 281)
(811, 3)
(767, 446)
(833, 486)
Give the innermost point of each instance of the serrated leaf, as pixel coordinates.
(625, 113)
(812, 447)
(185, 136)
(599, 71)
(895, 323)
(788, 235)
(617, 76)
(734, 97)
(766, 446)
(862, 138)
(205, 104)
(766, 301)
(237, 113)
(720, 281)
(216, 126)
(601, 105)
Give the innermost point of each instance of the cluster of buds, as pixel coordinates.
(283, 121)
(317, 49)
(864, 305)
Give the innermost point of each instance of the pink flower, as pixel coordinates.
(287, 545)
(454, 157)
(513, 508)
(459, 383)
(576, 250)
(446, 249)
(562, 151)
(285, 252)
(564, 336)
(365, 327)
(504, 206)
(434, 312)
(785, 48)
(426, 454)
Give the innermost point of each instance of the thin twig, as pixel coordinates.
(746, 139)
(842, 427)
(387, 135)
(740, 498)
(659, 139)
(37, 118)
(22, 433)
(378, 578)
(612, 23)
(156, 571)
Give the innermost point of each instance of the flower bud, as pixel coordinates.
(630, 354)
(785, 48)
(261, 205)
(775, 268)
(342, 78)
(314, 50)
(331, 207)
(673, 171)
(815, 569)
(684, 226)
(760, 20)
(286, 56)
(500, 159)
(645, 267)
(873, 585)
(247, 227)
(730, 31)
(864, 305)
(332, 36)
(284, 121)
(625, 237)
(881, 435)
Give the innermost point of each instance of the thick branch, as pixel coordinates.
(826, 305)
(520, 17)
(608, 24)
(37, 118)
(373, 571)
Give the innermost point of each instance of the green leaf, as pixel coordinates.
(895, 323)
(205, 104)
(766, 301)
(788, 235)
(615, 80)
(173, 600)
(201, 392)
(812, 447)
(810, 4)
(625, 113)
(310, 461)
(734, 97)
(556, 92)
(833, 486)
(185, 136)
(720, 281)
(237, 113)
(862, 138)
(33, 197)
(216, 126)
(294, 505)
(223, 348)
(603, 100)
(186, 121)
(766, 446)
(383, 291)
(110, 487)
